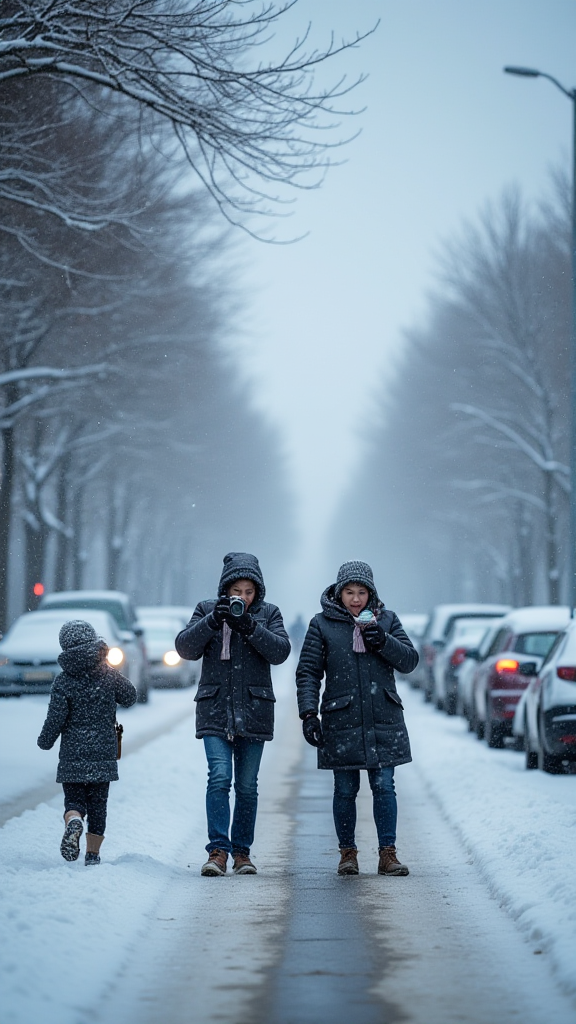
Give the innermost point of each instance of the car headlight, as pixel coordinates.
(171, 658)
(115, 656)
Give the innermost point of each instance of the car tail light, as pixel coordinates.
(458, 656)
(429, 653)
(507, 665)
(565, 672)
(568, 739)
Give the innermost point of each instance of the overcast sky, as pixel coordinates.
(444, 131)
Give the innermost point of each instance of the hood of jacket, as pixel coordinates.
(84, 659)
(334, 609)
(239, 565)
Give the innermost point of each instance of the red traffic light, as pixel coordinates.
(38, 589)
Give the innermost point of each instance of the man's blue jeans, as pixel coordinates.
(245, 756)
(346, 786)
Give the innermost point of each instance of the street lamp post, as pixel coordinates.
(571, 94)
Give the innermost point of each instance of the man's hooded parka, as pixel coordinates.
(235, 696)
(362, 714)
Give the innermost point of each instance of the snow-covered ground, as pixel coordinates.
(67, 933)
(518, 825)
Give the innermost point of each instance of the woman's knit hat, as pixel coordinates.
(355, 572)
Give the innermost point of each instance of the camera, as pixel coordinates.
(237, 606)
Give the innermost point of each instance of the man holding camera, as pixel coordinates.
(238, 636)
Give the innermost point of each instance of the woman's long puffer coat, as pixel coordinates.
(362, 717)
(235, 697)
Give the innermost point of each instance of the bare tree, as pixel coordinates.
(187, 64)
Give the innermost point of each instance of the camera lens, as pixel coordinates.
(236, 606)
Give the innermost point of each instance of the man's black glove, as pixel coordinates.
(219, 613)
(243, 624)
(312, 730)
(374, 636)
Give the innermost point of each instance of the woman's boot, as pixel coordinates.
(70, 845)
(93, 844)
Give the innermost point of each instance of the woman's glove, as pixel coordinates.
(219, 613)
(243, 624)
(312, 730)
(374, 636)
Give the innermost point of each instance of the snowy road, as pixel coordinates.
(482, 931)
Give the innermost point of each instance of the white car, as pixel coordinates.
(165, 666)
(439, 624)
(465, 635)
(545, 717)
(29, 650)
(467, 671)
(414, 624)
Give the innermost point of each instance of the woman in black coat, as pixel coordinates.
(356, 643)
(235, 702)
(82, 710)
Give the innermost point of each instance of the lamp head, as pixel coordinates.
(525, 72)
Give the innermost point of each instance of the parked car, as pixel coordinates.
(464, 635)
(166, 667)
(526, 634)
(29, 650)
(414, 624)
(545, 719)
(120, 607)
(438, 627)
(467, 671)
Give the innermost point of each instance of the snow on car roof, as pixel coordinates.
(442, 614)
(537, 618)
(84, 595)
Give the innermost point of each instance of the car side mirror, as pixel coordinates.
(438, 644)
(528, 668)
(473, 653)
(138, 631)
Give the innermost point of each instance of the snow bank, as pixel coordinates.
(518, 825)
(23, 766)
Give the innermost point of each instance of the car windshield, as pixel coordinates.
(534, 643)
(114, 608)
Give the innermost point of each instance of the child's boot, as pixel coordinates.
(93, 844)
(70, 845)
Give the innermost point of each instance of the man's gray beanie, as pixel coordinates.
(355, 572)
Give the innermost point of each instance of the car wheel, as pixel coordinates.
(494, 734)
(531, 755)
(439, 703)
(450, 704)
(549, 763)
(143, 696)
(479, 728)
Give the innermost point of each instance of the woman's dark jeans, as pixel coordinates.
(346, 786)
(245, 756)
(89, 798)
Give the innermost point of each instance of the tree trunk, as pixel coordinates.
(36, 536)
(552, 552)
(6, 492)
(62, 540)
(78, 555)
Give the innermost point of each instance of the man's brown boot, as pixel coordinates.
(348, 861)
(243, 865)
(216, 863)
(389, 864)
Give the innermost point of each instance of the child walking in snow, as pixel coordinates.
(82, 711)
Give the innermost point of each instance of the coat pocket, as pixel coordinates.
(336, 704)
(206, 691)
(393, 697)
(262, 692)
